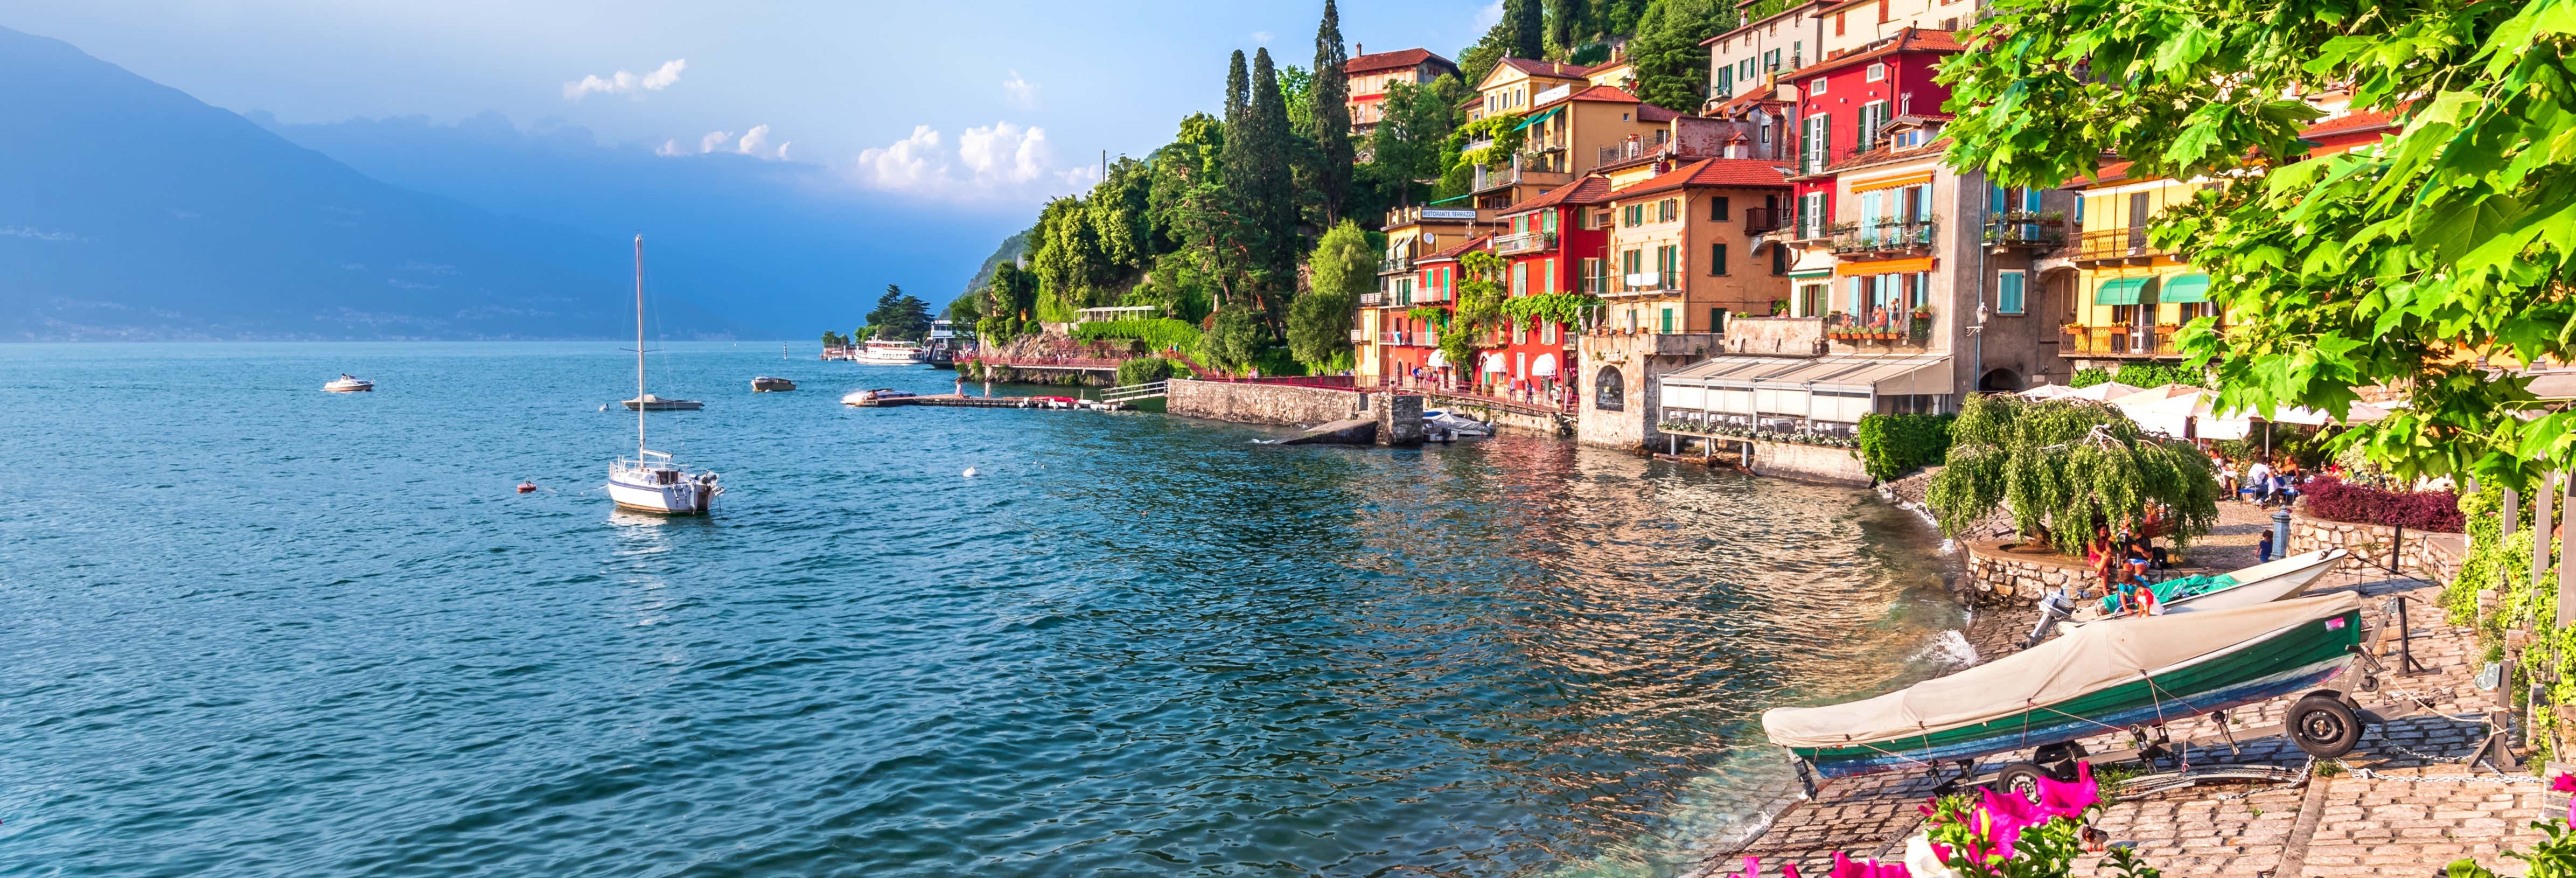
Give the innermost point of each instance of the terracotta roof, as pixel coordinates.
(1452, 251)
(1888, 152)
(1713, 172)
(1749, 25)
(1908, 40)
(1592, 189)
(1377, 61)
(1547, 68)
(2350, 123)
(1611, 94)
(1651, 113)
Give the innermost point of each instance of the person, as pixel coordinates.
(2143, 553)
(2263, 547)
(2137, 555)
(2258, 479)
(2227, 476)
(2097, 554)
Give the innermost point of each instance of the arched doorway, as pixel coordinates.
(1609, 390)
(2000, 381)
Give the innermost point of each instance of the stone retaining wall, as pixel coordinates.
(1814, 463)
(2432, 554)
(1999, 578)
(1262, 403)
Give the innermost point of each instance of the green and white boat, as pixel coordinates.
(2094, 680)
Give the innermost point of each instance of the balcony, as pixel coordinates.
(1884, 239)
(1372, 300)
(1649, 282)
(1359, 336)
(1758, 220)
(1525, 242)
(2129, 246)
(2040, 231)
(1395, 265)
(1888, 326)
(1490, 178)
(2120, 341)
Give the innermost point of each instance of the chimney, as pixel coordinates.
(1359, 48)
(1556, 66)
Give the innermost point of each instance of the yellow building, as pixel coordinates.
(2131, 296)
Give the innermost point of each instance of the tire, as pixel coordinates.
(2323, 726)
(2021, 779)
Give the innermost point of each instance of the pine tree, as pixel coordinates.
(1269, 196)
(1327, 101)
(1672, 66)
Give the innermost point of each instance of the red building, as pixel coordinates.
(1546, 246)
(1413, 342)
(1845, 103)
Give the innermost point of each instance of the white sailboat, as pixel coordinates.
(652, 481)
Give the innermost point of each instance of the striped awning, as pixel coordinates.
(2120, 290)
(2184, 288)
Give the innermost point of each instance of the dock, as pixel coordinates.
(959, 400)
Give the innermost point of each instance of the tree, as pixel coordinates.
(2410, 265)
(1671, 65)
(2064, 467)
(964, 310)
(1406, 145)
(1343, 267)
(835, 340)
(1526, 27)
(1477, 60)
(899, 315)
(1565, 26)
(1262, 195)
(1235, 339)
(1238, 90)
(1009, 306)
(1328, 103)
(1480, 308)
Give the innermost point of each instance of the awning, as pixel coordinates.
(1818, 262)
(1495, 364)
(1438, 359)
(2184, 288)
(2120, 290)
(1921, 179)
(1545, 365)
(1836, 389)
(1855, 268)
(1540, 117)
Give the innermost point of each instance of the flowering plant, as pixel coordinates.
(2552, 858)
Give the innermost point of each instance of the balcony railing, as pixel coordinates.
(1650, 281)
(2108, 244)
(1372, 300)
(1487, 178)
(1889, 237)
(1394, 264)
(1359, 336)
(1889, 325)
(2120, 341)
(1525, 242)
(1431, 294)
(2018, 231)
(1767, 219)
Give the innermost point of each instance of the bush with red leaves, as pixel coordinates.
(2334, 499)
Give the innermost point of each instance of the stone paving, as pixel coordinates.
(2401, 804)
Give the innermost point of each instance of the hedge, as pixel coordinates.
(1144, 370)
(1160, 333)
(2334, 499)
(1894, 445)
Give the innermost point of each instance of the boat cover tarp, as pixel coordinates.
(2090, 658)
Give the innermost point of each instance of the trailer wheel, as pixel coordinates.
(2021, 779)
(2324, 726)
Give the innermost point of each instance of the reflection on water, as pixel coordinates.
(301, 635)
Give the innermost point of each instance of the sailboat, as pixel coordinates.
(652, 481)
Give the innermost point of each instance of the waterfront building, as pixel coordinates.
(1410, 333)
(1750, 60)
(1369, 77)
(1519, 85)
(1412, 233)
(1554, 245)
(1572, 129)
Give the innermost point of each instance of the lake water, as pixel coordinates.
(256, 629)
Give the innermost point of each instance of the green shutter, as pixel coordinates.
(2119, 291)
(2184, 288)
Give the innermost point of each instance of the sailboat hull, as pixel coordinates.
(683, 498)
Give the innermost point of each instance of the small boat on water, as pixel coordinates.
(349, 384)
(651, 403)
(2096, 679)
(652, 481)
(889, 353)
(1454, 424)
(871, 397)
(766, 384)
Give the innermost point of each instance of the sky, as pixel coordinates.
(975, 106)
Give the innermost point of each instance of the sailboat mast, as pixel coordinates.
(639, 350)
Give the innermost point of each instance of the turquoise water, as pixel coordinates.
(255, 629)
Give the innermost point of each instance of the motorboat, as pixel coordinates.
(766, 384)
(1054, 402)
(889, 353)
(651, 403)
(2278, 579)
(2096, 679)
(873, 397)
(652, 481)
(349, 384)
(1454, 424)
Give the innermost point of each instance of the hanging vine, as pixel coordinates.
(2063, 466)
(1564, 308)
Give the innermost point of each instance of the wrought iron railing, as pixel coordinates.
(2114, 244)
(1883, 237)
(1525, 242)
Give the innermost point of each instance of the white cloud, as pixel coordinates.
(713, 139)
(669, 148)
(38, 234)
(997, 160)
(627, 83)
(1263, 36)
(756, 143)
(1023, 93)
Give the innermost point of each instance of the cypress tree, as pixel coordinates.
(1269, 196)
(1526, 26)
(1238, 91)
(1565, 24)
(1327, 102)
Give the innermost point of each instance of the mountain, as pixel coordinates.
(1011, 250)
(811, 250)
(129, 210)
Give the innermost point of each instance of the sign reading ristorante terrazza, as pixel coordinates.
(1429, 214)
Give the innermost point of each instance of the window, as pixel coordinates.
(1811, 217)
(1608, 388)
(2008, 292)
(1815, 144)
(1520, 332)
(1771, 60)
(1779, 259)
(1726, 80)
(1877, 72)
(1717, 320)
(1404, 291)
(1745, 71)
(1520, 224)
(1816, 86)
(1668, 210)
(1716, 259)
(1873, 116)
(1547, 275)
(1520, 278)
(1872, 211)
(1717, 209)
(1547, 332)
(1591, 280)
(1636, 214)
(1547, 222)
(1664, 319)
(1634, 265)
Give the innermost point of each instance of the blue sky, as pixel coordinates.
(980, 106)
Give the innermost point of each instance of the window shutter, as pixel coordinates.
(1716, 259)
(2008, 298)
(1717, 208)
(1779, 259)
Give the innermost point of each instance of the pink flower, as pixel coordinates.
(2061, 799)
(1752, 867)
(2001, 819)
(1846, 867)
(2563, 783)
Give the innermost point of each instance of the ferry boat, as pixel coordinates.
(889, 353)
(652, 481)
(944, 345)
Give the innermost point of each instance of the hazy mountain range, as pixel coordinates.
(129, 210)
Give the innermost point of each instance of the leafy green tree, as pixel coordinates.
(2411, 265)
(899, 315)
(1009, 306)
(2065, 466)
(1406, 145)
(1671, 65)
(1236, 338)
(1477, 60)
(1329, 117)
(1343, 267)
(1479, 311)
(964, 310)
(1566, 26)
(1526, 26)
(1297, 91)
(835, 340)
(1259, 186)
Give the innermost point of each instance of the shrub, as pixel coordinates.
(1894, 445)
(2088, 377)
(2334, 499)
(1144, 370)
(1159, 334)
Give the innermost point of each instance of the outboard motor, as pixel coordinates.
(2054, 607)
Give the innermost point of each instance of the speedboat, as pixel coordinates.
(2096, 679)
(889, 353)
(1454, 424)
(651, 403)
(873, 397)
(1054, 402)
(347, 384)
(766, 384)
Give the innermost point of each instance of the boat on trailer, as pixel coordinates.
(2278, 579)
(2139, 674)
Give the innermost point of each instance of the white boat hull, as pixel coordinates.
(349, 387)
(2280, 579)
(683, 497)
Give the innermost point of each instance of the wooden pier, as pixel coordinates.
(957, 400)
